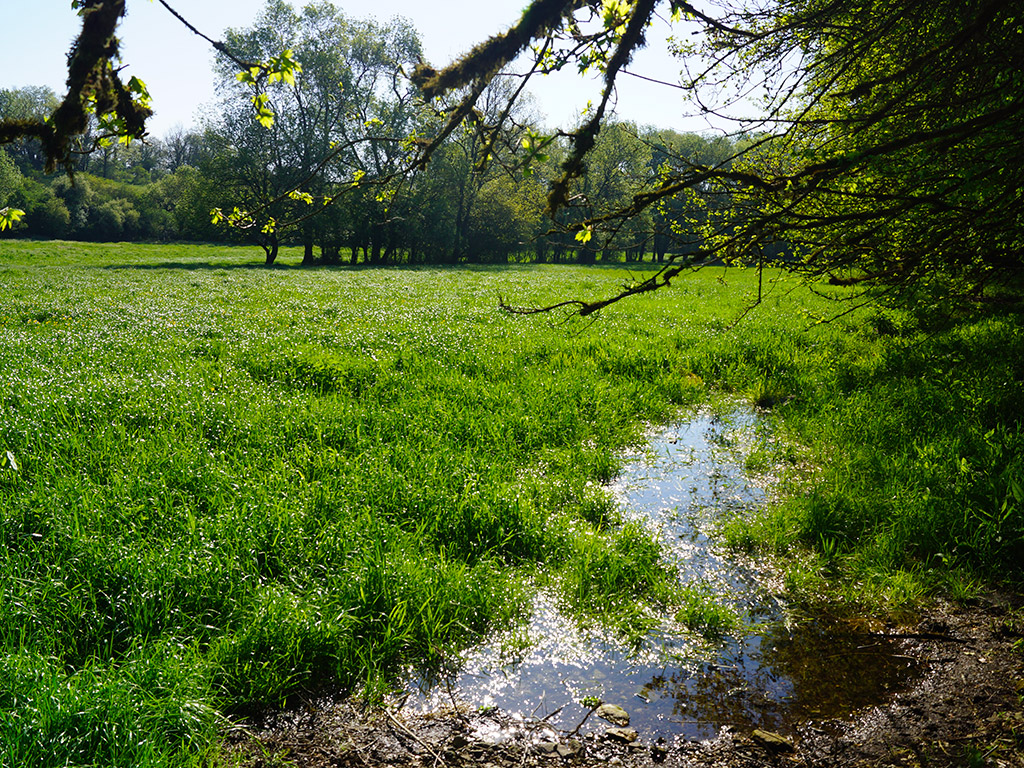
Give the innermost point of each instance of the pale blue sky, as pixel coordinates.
(175, 64)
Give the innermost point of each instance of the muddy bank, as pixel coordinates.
(964, 709)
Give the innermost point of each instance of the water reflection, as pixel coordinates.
(771, 676)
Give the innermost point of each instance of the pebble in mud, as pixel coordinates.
(545, 748)
(613, 714)
(570, 748)
(622, 735)
(773, 742)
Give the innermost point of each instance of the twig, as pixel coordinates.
(417, 739)
(586, 717)
(922, 636)
(215, 43)
(549, 715)
(451, 697)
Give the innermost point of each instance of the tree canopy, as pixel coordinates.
(887, 148)
(880, 142)
(337, 122)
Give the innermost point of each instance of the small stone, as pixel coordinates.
(494, 739)
(613, 714)
(570, 748)
(615, 761)
(545, 747)
(773, 742)
(623, 735)
(659, 750)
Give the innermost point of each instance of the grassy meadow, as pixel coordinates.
(222, 486)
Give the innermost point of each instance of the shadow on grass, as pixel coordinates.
(200, 265)
(472, 267)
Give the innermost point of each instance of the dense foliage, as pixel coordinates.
(885, 150)
(452, 211)
(900, 161)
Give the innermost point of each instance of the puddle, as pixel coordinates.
(770, 676)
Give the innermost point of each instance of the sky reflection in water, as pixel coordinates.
(688, 477)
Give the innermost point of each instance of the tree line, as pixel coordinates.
(331, 172)
(883, 149)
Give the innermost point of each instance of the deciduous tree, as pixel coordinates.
(337, 122)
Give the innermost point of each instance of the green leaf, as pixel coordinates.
(250, 76)
(9, 217)
(283, 67)
(264, 114)
(304, 197)
(140, 90)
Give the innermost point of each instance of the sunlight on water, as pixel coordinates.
(681, 485)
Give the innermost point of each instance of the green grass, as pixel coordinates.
(221, 486)
(913, 452)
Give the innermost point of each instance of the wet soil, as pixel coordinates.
(964, 709)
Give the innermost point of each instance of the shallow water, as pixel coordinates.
(771, 676)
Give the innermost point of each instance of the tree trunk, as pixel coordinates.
(540, 250)
(375, 238)
(330, 254)
(270, 247)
